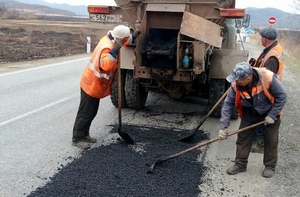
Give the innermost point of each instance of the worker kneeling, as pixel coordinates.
(258, 95)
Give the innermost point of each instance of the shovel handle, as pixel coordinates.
(185, 139)
(119, 92)
(214, 140)
(200, 145)
(217, 103)
(212, 109)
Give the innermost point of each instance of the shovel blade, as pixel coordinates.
(192, 135)
(188, 138)
(125, 136)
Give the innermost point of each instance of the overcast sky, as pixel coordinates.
(285, 5)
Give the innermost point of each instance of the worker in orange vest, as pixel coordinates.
(272, 59)
(96, 81)
(259, 96)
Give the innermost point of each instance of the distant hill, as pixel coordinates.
(73, 10)
(78, 10)
(36, 9)
(259, 17)
(284, 20)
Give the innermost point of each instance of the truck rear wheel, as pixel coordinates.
(217, 88)
(114, 87)
(136, 95)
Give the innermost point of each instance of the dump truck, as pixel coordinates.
(186, 47)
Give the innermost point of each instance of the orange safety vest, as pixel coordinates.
(266, 80)
(96, 82)
(277, 52)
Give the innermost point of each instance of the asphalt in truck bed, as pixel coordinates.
(119, 169)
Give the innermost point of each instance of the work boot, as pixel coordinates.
(89, 139)
(268, 172)
(82, 144)
(235, 169)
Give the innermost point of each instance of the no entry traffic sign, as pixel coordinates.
(272, 20)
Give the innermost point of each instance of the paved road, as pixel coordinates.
(38, 106)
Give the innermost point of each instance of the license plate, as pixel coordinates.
(108, 18)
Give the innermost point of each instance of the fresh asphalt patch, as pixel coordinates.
(119, 169)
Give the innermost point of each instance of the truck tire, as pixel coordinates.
(136, 95)
(114, 87)
(217, 88)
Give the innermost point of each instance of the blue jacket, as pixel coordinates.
(260, 102)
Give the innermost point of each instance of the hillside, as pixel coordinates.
(80, 10)
(35, 9)
(259, 17)
(285, 20)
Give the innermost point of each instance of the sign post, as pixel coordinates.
(88, 45)
(272, 20)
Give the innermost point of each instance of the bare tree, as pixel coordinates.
(296, 5)
(2, 9)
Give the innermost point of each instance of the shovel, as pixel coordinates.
(123, 134)
(159, 161)
(189, 138)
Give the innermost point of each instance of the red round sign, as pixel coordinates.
(272, 20)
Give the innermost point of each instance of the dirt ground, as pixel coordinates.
(22, 40)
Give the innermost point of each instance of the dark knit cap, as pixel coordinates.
(269, 32)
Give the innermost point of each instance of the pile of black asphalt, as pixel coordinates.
(120, 170)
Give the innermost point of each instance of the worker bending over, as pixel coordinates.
(258, 95)
(96, 81)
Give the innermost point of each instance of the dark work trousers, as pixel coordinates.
(245, 139)
(87, 111)
(260, 131)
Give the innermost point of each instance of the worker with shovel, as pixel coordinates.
(96, 81)
(258, 95)
(271, 58)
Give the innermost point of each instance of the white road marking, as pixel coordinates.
(41, 67)
(36, 110)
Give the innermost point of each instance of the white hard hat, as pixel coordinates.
(120, 31)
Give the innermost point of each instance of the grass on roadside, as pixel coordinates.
(292, 63)
(291, 51)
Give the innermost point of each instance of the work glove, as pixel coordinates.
(136, 33)
(223, 134)
(118, 44)
(252, 61)
(269, 120)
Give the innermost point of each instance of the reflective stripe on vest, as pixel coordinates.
(94, 81)
(94, 63)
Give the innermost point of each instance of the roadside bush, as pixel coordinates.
(31, 17)
(2, 10)
(10, 14)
